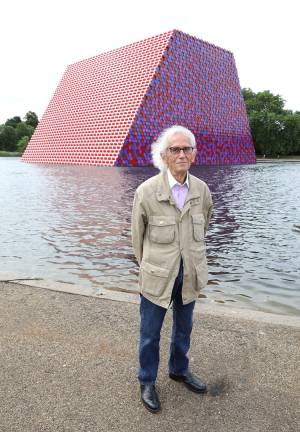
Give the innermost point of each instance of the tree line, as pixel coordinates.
(15, 133)
(275, 130)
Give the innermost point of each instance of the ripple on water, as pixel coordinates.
(72, 223)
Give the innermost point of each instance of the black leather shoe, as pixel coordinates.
(191, 382)
(150, 398)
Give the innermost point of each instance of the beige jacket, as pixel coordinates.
(161, 234)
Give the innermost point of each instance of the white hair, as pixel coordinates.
(160, 146)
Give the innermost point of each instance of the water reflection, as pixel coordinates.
(92, 225)
(72, 223)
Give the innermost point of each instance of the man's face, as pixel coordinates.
(179, 163)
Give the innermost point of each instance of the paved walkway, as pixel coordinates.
(68, 363)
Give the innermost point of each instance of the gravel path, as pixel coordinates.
(68, 363)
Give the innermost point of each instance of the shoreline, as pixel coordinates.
(270, 160)
(9, 154)
(216, 309)
(4, 153)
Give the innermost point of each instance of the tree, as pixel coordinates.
(15, 133)
(23, 129)
(31, 119)
(13, 121)
(275, 131)
(8, 138)
(291, 133)
(266, 129)
(22, 144)
(263, 101)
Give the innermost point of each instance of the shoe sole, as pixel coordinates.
(153, 411)
(193, 389)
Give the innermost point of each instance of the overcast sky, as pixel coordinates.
(39, 38)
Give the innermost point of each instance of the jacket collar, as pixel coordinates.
(163, 191)
(172, 181)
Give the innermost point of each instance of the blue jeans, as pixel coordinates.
(152, 317)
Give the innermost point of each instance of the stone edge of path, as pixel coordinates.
(130, 297)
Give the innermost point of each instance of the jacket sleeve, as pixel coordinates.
(138, 227)
(207, 209)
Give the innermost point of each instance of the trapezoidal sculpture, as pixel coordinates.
(108, 109)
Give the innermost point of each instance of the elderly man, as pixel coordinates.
(171, 213)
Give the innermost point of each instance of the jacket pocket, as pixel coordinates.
(198, 226)
(202, 274)
(153, 278)
(162, 229)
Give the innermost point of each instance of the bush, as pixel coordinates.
(22, 144)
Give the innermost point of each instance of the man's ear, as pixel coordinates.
(194, 154)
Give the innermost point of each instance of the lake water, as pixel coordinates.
(72, 224)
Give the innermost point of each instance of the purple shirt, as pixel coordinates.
(179, 191)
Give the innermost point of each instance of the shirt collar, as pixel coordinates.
(173, 181)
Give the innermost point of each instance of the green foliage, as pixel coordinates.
(291, 136)
(31, 119)
(23, 129)
(8, 154)
(22, 144)
(8, 138)
(263, 101)
(13, 121)
(275, 131)
(15, 133)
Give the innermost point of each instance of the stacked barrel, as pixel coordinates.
(107, 110)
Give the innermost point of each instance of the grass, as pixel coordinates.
(297, 157)
(8, 154)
